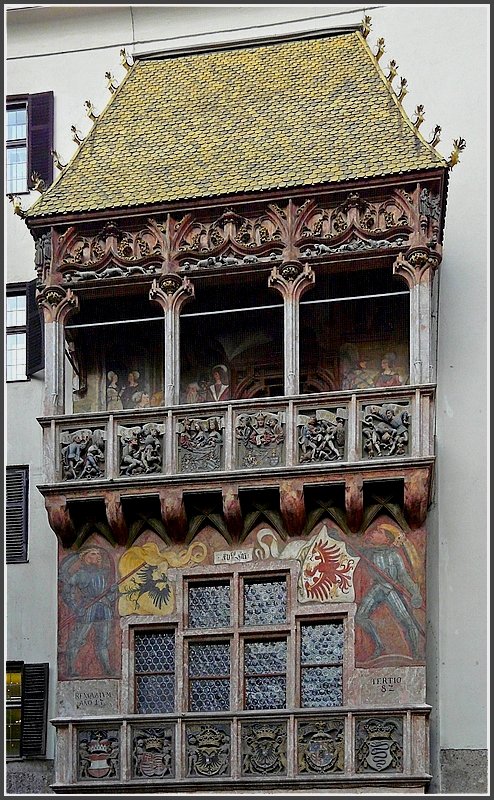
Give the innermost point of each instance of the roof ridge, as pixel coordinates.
(362, 37)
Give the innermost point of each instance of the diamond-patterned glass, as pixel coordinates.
(209, 695)
(155, 694)
(322, 643)
(322, 687)
(265, 657)
(154, 651)
(209, 606)
(209, 660)
(264, 602)
(263, 692)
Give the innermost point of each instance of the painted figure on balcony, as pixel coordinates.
(356, 373)
(127, 394)
(219, 389)
(113, 401)
(388, 375)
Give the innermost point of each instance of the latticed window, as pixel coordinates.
(239, 645)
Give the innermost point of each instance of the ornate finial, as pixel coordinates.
(419, 114)
(56, 160)
(90, 110)
(458, 147)
(37, 183)
(380, 48)
(112, 86)
(393, 69)
(16, 201)
(403, 89)
(123, 59)
(366, 26)
(436, 134)
(75, 135)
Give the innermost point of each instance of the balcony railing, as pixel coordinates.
(305, 432)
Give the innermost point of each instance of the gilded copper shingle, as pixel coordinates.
(243, 120)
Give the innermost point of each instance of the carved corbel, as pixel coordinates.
(232, 511)
(171, 291)
(291, 280)
(416, 265)
(59, 519)
(115, 517)
(292, 506)
(57, 303)
(416, 497)
(354, 501)
(173, 513)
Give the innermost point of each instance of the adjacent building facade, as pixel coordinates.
(234, 413)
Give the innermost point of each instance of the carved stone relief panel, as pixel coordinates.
(208, 748)
(98, 754)
(322, 435)
(260, 439)
(83, 454)
(385, 430)
(379, 744)
(200, 444)
(141, 451)
(264, 748)
(321, 746)
(153, 752)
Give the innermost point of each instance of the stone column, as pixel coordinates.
(171, 292)
(417, 267)
(57, 304)
(291, 280)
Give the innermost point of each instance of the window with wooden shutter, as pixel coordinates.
(26, 706)
(34, 335)
(29, 141)
(40, 136)
(17, 485)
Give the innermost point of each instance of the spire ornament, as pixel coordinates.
(75, 135)
(419, 116)
(37, 183)
(16, 202)
(436, 136)
(366, 26)
(124, 59)
(458, 147)
(393, 70)
(90, 110)
(380, 49)
(112, 85)
(403, 89)
(56, 160)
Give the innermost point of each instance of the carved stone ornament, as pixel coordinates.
(354, 245)
(42, 257)
(83, 454)
(141, 450)
(321, 746)
(200, 444)
(57, 303)
(322, 435)
(208, 750)
(98, 754)
(260, 439)
(153, 752)
(385, 430)
(379, 744)
(264, 748)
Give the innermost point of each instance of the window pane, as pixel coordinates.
(16, 123)
(13, 686)
(209, 606)
(13, 731)
(16, 356)
(16, 169)
(155, 694)
(322, 643)
(155, 671)
(209, 660)
(265, 674)
(209, 672)
(16, 310)
(264, 602)
(321, 665)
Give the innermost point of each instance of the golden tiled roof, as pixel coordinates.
(294, 113)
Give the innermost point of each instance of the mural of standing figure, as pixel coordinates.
(388, 375)
(391, 587)
(88, 590)
(220, 388)
(127, 394)
(113, 401)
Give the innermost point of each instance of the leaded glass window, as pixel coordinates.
(154, 671)
(321, 661)
(209, 605)
(209, 676)
(265, 673)
(265, 602)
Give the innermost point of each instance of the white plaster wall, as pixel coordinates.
(442, 51)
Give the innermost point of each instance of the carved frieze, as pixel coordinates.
(379, 744)
(83, 454)
(260, 439)
(208, 749)
(98, 754)
(321, 746)
(264, 748)
(322, 435)
(200, 444)
(153, 752)
(141, 451)
(385, 430)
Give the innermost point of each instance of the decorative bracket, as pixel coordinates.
(57, 303)
(292, 506)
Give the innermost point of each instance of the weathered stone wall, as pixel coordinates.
(464, 772)
(29, 777)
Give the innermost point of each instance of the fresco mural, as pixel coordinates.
(89, 644)
(368, 365)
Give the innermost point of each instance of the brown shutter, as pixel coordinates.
(40, 136)
(17, 486)
(34, 709)
(35, 360)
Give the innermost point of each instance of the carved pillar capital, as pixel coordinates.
(292, 279)
(416, 265)
(57, 303)
(171, 291)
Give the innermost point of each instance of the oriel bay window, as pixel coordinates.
(234, 649)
